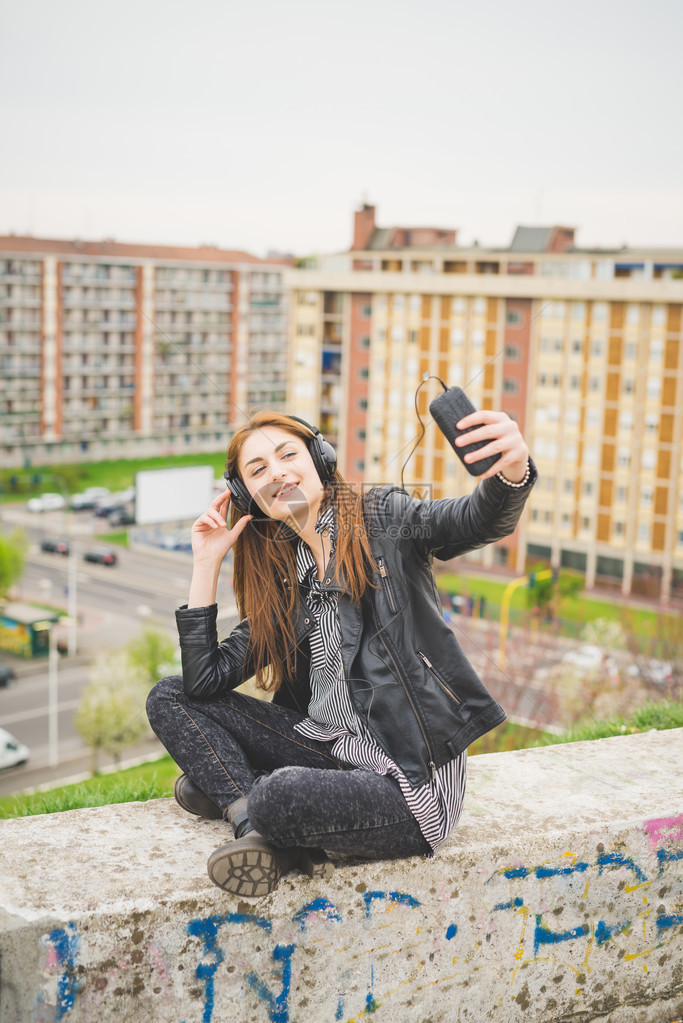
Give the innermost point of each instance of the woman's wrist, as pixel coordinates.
(515, 476)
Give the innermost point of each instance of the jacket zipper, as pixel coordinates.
(432, 765)
(435, 674)
(387, 585)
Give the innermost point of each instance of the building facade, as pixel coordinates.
(110, 350)
(582, 347)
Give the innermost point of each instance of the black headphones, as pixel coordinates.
(324, 459)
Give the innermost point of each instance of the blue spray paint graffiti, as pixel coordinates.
(394, 897)
(604, 931)
(317, 906)
(544, 936)
(65, 942)
(207, 929)
(278, 1011)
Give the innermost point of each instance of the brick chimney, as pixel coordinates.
(363, 226)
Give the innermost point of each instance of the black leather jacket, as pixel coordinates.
(408, 678)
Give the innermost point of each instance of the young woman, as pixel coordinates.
(362, 750)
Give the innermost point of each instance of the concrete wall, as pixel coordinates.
(559, 898)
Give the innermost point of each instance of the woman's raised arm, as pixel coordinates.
(211, 541)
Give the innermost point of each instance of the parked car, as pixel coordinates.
(88, 499)
(121, 517)
(109, 504)
(55, 546)
(101, 556)
(46, 502)
(7, 675)
(12, 752)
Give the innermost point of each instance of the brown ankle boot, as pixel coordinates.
(250, 866)
(193, 799)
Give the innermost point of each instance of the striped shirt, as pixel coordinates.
(436, 805)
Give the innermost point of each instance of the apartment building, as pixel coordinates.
(111, 350)
(582, 347)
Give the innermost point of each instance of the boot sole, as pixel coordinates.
(247, 872)
(252, 871)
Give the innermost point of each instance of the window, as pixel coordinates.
(622, 495)
(585, 522)
(651, 423)
(654, 387)
(648, 458)
(458, 305)
(362, 403)
(630, 350)
(595, 383)
(574, 382)
(364, 373)
(568, 486)
(577, 346)
(644, 532)
(619, 529)
(397, 334)
(365, 342)
(646, 496)
(360, 434)
(592, 417)
(512, 353)
(627, 385)
(399, 303)
(457, 336)
(596, 348)
(367, 311)
(513, 317)
(599, 312)
(656, 350)
(510, 386)
(415, 303)
(587, 488)
(566, 520)
(479, 306)
(624, 457)
(658, 315)
(477, 338)
(625, 420)
(579, 311)
(412, 337)
(632, 313)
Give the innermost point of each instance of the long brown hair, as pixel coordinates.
(265, 577)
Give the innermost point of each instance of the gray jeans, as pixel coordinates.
(298, 793)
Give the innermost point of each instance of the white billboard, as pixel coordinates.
(170, 495)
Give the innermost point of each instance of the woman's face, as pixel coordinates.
(278, 471)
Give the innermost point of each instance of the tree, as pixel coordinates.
(13, 550)
(111, 714)
(153, 652)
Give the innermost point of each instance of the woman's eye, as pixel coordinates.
(289, 454)
(257, 470)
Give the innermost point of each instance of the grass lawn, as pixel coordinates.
(135, 784)
(152, 780)
(579, 609)
(118, 538)
(116, 475)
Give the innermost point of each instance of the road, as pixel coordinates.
(114, 602)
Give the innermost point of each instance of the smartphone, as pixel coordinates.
(448, 409)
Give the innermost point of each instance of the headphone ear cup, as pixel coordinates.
(328, 458)
(324, 457)
(240, 496)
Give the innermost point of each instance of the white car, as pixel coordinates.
(46, 502)
(12, 752)
(587, 657)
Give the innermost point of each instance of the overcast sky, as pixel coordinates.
(262, 125)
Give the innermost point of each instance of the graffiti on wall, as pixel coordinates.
(524, 917)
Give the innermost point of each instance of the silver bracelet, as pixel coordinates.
(522, 483)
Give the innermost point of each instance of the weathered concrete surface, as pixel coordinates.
(559, 898)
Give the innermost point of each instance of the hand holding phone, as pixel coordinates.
(448, 409)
